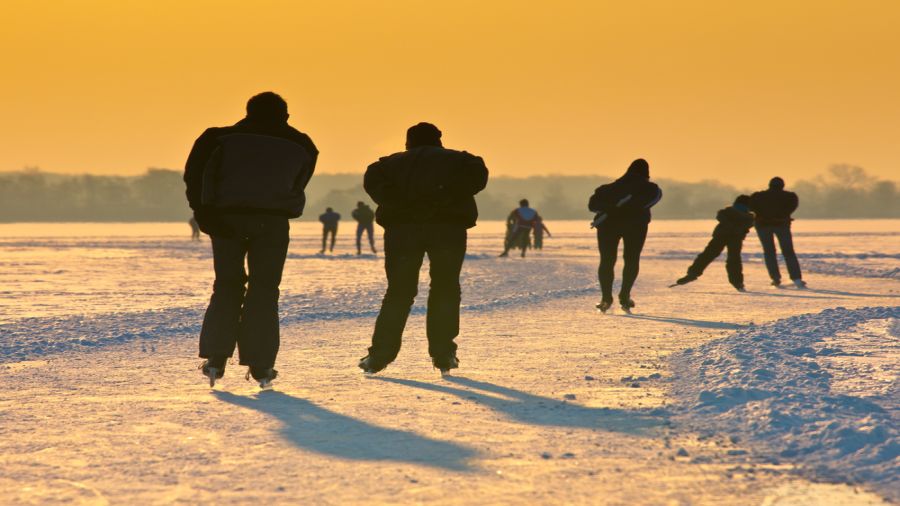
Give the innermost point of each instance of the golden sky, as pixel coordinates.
(729, 90)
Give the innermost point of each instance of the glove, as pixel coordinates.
(211, 223)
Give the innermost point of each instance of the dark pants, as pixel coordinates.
(326, 230)
(732, 262)
(608, 237)
(767, 236)
(243, 309)
(405, 247)
(369, 228)
(517, 238)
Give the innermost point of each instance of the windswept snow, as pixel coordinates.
(778, 387)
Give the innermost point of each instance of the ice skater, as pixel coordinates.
(519, 224)
(623, 214)
(426, 203)
(364, 217)
(539, 230)
(773, 208)
(734, 223)
(329, 220)
(245, 211)
(195, 229)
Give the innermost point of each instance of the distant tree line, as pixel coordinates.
(158, 195)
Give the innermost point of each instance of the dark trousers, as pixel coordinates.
(405, 246)
(243, 309)
(369, 228)
(326, 230)
(767, 235)
(732, 261)
(633, 237)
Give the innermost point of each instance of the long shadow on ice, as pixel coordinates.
(687, 321)
(314, 428)
(779, 293)
(538, 410)
(851, 294)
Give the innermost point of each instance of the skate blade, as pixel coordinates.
(213, 372)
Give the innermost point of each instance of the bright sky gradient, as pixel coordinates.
(735, 91)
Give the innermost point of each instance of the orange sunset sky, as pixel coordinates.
(736, 91)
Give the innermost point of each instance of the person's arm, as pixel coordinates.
(793, 202)
(546, 229)
(193, 168)
(476, 173)
(305, 175)
(375, 183)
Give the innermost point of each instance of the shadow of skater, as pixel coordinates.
(687, 321)
(851, 294)
(314, 428)
(537, 410)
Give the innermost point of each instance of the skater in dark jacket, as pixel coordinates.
(364, 217)
(329, 220)
(622, 214)
(426, 203)
(773, 208)
(244, 182)
(734, 223)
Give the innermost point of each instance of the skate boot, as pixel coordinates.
(799, 283)
(740, 288)
(776, 283)
(604, 305)
(214, 369)
(626, 302)
(264, 376)
(445, 363)
(686, 279)
(371, 365)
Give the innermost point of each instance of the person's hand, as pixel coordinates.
(211, 223)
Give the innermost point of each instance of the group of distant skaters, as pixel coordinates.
(245, 181)
(365, 218)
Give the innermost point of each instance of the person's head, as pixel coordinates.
(743, 201)
(267, 106)
(523, 203)
(639, 169)
(329, 210)
(423, 134)
(776, 183)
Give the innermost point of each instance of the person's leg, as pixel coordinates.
(220, 324)
(633, 240)
(258, 339)
(608, 244)
(786, 243)
(446, 248)
(710, 253)
(767, 239)
(733, 264)
(325, 231)
(333, 237)
(359, 232)
(403, 255)
(370, 230)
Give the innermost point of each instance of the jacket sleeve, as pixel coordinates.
(721, 216)
(193, 168)
(476, 174)
(375, 183)
(792, 202)
(304, 177)
(596, 204)
(651, 196)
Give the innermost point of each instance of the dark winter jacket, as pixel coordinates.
(251, 167)
(363, 215)
(609, 200)
(330, 219)
(773, 207)
(426, 184)
(734, 221)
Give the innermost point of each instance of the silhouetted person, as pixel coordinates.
(519, 225)
(734, 223)
(773, 208)
(364, 217)
(426, 202)
(195, 229)
(539, 230)
(623, 214)
(329, 221)
(244, 182)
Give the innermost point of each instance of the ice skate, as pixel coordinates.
(445, 364)
(604, 305)
(799, 283)
(213, 369)
(263, 376)
(684, 280)
(626, 303)
(370, 365)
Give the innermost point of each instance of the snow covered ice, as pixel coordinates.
(702, 396)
